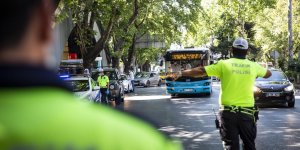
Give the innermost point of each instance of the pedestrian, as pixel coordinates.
(37, 109)
(237, 106)
(103, 82)
(131, 75)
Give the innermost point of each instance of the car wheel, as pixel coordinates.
(292, 103)
(147, 84)
(159, 83)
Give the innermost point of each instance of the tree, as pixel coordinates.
(84, 15)
(122, 22)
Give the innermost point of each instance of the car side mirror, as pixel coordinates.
(96, 88)
(292, 79)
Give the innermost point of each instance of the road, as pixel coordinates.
(191, 119)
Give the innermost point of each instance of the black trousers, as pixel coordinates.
(237, 125)
(104, 95)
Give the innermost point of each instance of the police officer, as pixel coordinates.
(103, 82)
(37, 110)
(131, 75)
(237, 110)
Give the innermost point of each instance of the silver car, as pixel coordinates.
(147, 79)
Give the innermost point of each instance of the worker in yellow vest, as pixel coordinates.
(103, 82)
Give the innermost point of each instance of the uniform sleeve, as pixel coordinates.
(261, 71)
(214, 69)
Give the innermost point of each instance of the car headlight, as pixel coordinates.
(256, 89)
(112, 87)
(289, 88)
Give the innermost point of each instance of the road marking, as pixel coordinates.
(152, 97)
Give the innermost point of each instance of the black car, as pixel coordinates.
(275, 89)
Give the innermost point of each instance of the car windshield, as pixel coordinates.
(79, 85)
(276, 76)
(111, 75)
(142, 75)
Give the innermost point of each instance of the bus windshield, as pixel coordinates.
(179, 60)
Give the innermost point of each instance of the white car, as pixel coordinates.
(128, 87)
(84, 87)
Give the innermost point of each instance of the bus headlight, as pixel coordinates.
(289, 88)
(206, 83)
(169, 84)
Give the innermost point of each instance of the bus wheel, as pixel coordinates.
(173, 95)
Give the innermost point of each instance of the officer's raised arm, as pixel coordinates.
(268, 74)
(195, 72)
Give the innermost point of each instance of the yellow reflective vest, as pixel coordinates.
(103, 81)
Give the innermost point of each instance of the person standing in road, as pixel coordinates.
(37, 109)
(103, 82)
(131, 75)
(238, 113)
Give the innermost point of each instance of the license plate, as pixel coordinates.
(188, 90)
(273, 94)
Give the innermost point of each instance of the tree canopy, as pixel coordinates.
(214, 23)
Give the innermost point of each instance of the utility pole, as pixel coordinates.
(290, 30)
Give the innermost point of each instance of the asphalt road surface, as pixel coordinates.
(191, 119)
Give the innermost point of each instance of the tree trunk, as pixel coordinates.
(130, 58)
(87, 62)
(116, 62)
(290, 31)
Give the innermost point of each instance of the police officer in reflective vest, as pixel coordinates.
(37, 110)
(238, 113)
(103, 82)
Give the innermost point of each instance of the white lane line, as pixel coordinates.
(152, 97)
(297, 97)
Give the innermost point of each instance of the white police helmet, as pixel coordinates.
(240, 43)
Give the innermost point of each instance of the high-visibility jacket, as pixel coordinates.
(103, 81)
(37, 112)
(238, 78)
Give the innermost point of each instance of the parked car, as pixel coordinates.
(116, 89)
(127, 84)
(147, 79)
(83, 87)
(275, 89)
